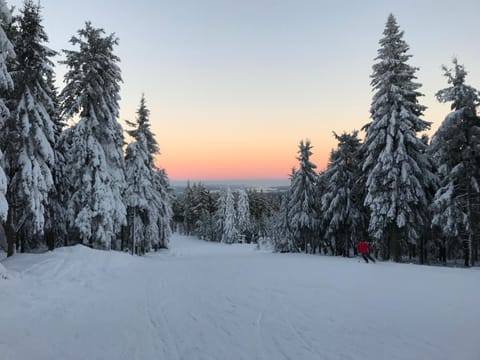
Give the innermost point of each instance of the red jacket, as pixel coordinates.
(363, 247)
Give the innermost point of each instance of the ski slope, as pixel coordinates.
(205, 301)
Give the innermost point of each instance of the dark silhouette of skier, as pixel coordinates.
(364, 250)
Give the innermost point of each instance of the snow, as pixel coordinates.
(202, 300)
(3, 273)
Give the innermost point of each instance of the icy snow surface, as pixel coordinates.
(204, 301)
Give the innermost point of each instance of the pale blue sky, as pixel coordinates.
(298, 68)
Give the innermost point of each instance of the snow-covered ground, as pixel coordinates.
(202, 301)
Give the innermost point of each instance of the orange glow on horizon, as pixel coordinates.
(202, 165)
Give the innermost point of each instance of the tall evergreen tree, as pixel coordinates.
(93, 146)
(230, 233)
(243, 214)
(146, 195)
(325, 241)
(456, 150)
(283, 238)
(55, 232)
(303, 206)
(396, 168)
(225, 218)
(220, 214)
(30, 157)
(279, 229)
(141, 197)
(6, 86)
(342, 212)
(165, 210)
(188, 213)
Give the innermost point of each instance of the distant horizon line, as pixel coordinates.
(239, 181)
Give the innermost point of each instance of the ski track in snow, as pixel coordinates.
(209, 301)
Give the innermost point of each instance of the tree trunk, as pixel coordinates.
(468, 243)
(67, 234)
(443, 254)
(131, 227)
(467, 250)
(385, 248)
(22, 241)
(394, 246)
(476, 251)
(124, 237)
(10, 230)
(422, 247)
(347, 246)
(50, 239)
(414, 251)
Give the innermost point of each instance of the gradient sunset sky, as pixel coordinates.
(233, 86)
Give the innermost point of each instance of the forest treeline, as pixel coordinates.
(411, 197)
(70, 185)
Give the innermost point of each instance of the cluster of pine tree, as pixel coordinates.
(63, 186)
(226, 216)
(405, 194)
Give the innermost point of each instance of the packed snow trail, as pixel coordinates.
(202, 301)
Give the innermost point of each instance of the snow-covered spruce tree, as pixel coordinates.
(243, 215)
(31, 131)
(325, 245)
(303, 205)
(93, 146)
(148, 201)
(230, 232)
(188, 214)
(55, 229)
(396, 168)
(165, 210)
(146, 192)
(429, 238)
(219, 216)
(283, 239)
(279, 229)
(6, 86)
(343, 215)
(140, 195)
(456, 150)
(225, 218)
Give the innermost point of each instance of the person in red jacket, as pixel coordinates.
(364, 250)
